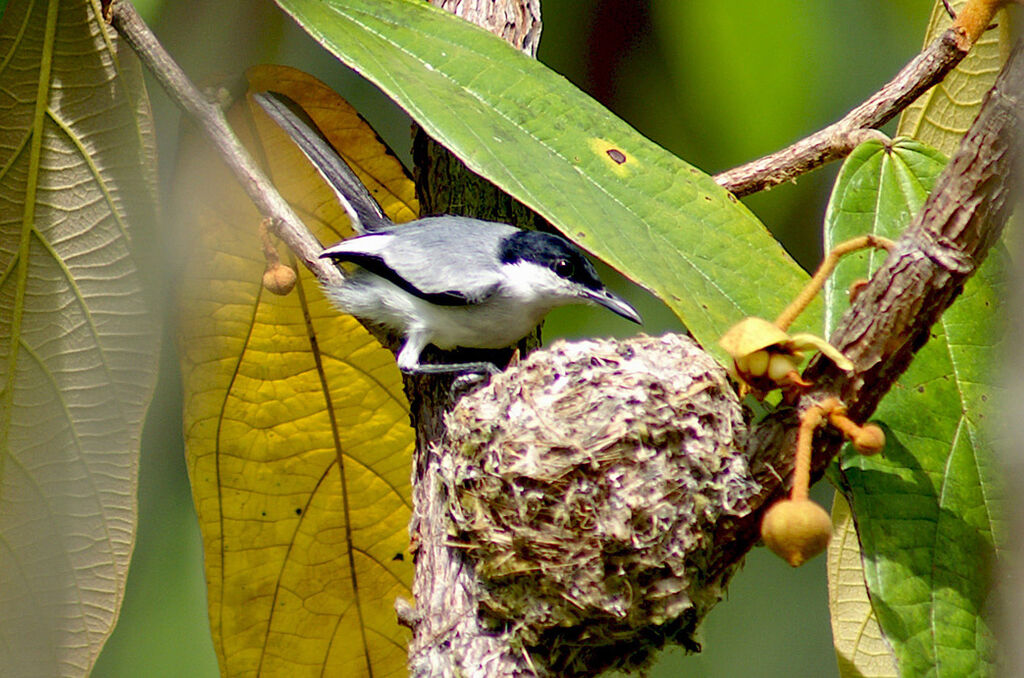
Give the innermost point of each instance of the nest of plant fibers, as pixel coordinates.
(586, 484)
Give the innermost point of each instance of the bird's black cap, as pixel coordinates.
(550, 251)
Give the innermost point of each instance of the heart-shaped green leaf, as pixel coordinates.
(928, 509)
(662, 222)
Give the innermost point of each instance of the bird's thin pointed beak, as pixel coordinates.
(615, 304)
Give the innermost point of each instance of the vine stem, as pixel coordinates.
(810, 419)
(825, 269)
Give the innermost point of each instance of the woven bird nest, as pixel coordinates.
(586, 484)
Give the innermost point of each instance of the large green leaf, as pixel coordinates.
(928, 511)
(660, 221)
(861, 649)
(78, 342)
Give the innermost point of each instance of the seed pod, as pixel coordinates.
(780, 365)
(279, 279)
(757, 363)
(765, 357)
(796, 530)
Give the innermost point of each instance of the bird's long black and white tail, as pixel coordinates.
(362, 209)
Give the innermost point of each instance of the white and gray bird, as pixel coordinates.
(448, 281)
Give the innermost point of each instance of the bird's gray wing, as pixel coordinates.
(364, 212)
(450, 261)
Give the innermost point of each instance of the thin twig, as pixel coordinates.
(838, 139)
(810, 419)
(210, 118)
(825, 268)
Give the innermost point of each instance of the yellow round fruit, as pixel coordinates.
(796, 530)
(279, 279)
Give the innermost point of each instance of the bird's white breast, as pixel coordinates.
(505, 317)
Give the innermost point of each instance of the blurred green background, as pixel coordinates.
(717, 83)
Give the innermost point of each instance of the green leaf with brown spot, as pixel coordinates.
(665, 224)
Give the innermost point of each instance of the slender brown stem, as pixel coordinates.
(975, 18)
(810, 419)
(839, 419)
(267, 241)
(828, 264)
(835, 141)
(210, 119)
(838, 139)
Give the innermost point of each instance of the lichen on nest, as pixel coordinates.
(585, 484)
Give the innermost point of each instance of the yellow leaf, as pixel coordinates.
(359, 145)
(861, 650)
(296, 426)
(804, 341)
(941, 115)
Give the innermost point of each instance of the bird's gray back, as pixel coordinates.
(438, 254)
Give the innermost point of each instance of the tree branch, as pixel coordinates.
(891, 318)
(210, 119)
(450, 637)
(837, 140)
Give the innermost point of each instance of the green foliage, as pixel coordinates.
(927, 510)
(741, 133)
(662, 222)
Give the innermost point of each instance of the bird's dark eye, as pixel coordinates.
(562, 268)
